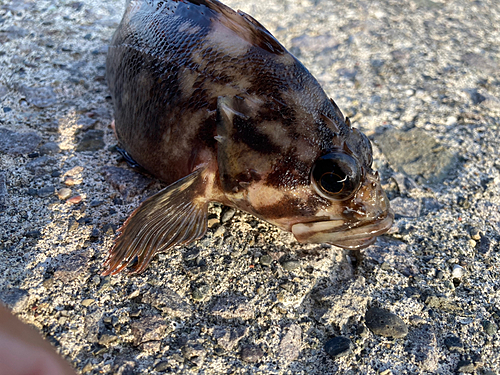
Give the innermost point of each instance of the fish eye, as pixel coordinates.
(336, 175)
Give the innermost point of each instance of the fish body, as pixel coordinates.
(208, 101)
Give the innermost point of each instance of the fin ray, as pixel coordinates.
(176, 215)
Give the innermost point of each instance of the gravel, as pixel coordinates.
(421, 78)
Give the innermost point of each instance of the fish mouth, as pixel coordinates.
(342, 234)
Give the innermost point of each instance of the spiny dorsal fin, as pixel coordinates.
(243, 24)
(176, 215)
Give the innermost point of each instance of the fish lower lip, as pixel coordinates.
(335, 233)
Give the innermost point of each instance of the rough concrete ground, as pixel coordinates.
(420, 77)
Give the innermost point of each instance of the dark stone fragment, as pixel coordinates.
(92, 140)
(127, 182)
(56, 173)
(163, 367)
(266, 260)
(291, 265)
(251, 354)
(71, 266)
(168, 301)
(476, 97)
(489, 327)
(3, 191)
(37, 166)
(484, 245)
(339, 346)
(49, 148)
(384, 323)
(95, 203)
(86, 123)
(46, 191)
(417, 154)
(41, 97)
(149, 328)
(6, 109)
(453, 343)
(107, 338)
(109, 229)
(33, 234)
(13, 143)
(33, 155)
(32, 192)
(228, 338)
(465, 366)
(94, 235)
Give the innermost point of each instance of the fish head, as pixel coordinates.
(318, 185)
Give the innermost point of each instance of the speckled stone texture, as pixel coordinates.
(247, 298)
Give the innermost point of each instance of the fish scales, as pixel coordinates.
(208, 101)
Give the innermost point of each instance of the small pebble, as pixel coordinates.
(489, 327)
(228, 215)
(453, 343)
(484, 245)
(55, 173)
(457, 272)
(251, 354)
(220, 232)
(162, 367)
(382, 322)
(75, 200)
(291, 265)
(95, 203)
(46, 191)
(94, 235)
(87, 302)
(472, 243)
(266, 260)
(199, 293)
(64, 193)
(92, 140)
(339, 346)
(465, 366)
(475, 234)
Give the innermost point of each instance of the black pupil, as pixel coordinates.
(332, 182)
(337, 174)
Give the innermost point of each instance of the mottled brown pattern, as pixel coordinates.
(199, 87)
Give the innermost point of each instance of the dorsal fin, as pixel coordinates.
(241, 23)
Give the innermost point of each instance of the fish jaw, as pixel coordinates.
(339, 233)
(364, 217)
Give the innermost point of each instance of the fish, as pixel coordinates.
(208, 101)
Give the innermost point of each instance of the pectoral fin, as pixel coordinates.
(176, 215)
